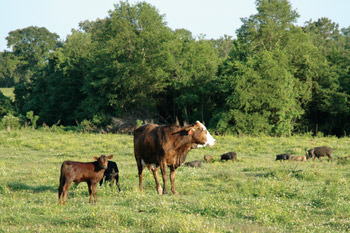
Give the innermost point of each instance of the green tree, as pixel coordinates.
(262, 93)
(8, 63)
(55, 90)
(129, 59)
(329, 108)
(192, 69)
(32, 47)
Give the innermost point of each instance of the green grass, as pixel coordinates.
(255, 194)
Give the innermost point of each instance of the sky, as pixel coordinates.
(213, 19)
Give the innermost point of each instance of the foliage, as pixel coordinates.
(262, 95)
(10, 122)
(6, 106)
(33, 118)
(276, 78)
(31, 46)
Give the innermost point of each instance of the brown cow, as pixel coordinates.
(90, 172)
(161, 146)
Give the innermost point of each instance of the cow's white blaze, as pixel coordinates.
(210, 140)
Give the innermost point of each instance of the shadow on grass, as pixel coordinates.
(35, 189)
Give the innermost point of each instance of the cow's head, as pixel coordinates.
(201, 135)
(103, 161)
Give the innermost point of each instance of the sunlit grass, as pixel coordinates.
(255, 194)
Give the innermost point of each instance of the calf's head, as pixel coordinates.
(103, 160)
(200, 135)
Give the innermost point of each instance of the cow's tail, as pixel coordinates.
(62, 182)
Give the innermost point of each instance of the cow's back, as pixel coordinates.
(146, 142)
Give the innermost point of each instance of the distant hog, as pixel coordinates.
(319, 152)
(229, 156)
(195, 163)
(208, 158)
(281, 157)
(298, 158)
(344, 158)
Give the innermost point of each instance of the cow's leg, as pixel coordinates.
(172, 180)
(90, 191)
(164, 175)
(65, 191)
(156, 178)
(140, 169)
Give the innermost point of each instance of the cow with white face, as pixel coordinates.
(167, 146)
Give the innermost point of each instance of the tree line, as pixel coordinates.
(275, 78)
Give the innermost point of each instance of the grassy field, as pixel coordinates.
(255, 194)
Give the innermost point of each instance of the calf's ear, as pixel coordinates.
(110, 156)
(95, 158)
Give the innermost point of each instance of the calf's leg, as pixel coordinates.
(94, 191)
(65, 191)
(90, 191)
(117, 182)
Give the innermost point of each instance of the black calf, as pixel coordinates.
(111, 174)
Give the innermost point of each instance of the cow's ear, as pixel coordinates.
(110, 156)
(95, 158)
(189, 129)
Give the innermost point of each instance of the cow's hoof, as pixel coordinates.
(160, 191)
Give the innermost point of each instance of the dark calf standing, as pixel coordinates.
(229, 156)
(90, 172)
(111, 174)
(195, 163)
(319, 152)
(281, 157)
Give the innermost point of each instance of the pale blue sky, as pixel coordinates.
(212, 18)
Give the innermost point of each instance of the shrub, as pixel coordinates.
(10, 122)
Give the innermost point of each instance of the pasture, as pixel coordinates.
(254, 194)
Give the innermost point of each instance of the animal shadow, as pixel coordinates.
(36, 189)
